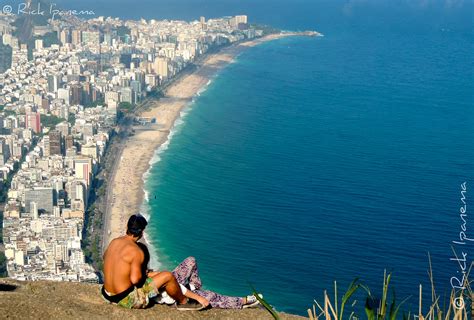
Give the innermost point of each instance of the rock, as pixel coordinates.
(68, 300)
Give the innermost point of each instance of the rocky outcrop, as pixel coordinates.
(66, 300)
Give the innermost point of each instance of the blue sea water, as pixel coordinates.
(311, 160)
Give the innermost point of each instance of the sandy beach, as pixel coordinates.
(126, 194)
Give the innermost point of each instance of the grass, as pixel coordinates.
(384, 309)
(387, 308)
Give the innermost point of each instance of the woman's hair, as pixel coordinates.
(136, 224)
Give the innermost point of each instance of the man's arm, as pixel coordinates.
(136, 274)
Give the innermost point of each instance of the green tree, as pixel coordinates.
(125, 107)
(50, 121)
(3, 265)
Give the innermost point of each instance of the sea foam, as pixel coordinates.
(145, 208)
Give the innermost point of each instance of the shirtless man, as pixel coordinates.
(124, 281)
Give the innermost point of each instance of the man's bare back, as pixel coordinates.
(123, 260)
(124, 280)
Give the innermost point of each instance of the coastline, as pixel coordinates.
(130, 171)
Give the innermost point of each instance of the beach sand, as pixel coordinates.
(127, 194)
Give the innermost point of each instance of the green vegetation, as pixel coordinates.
(156, 93)
(72, 119)
(91, 244)
(385, 308)
(125, 107)
(25, 23)
(122, 31)
(48, 40)
(94, 104)
(50, 121)
(9, 113)
(3, 259)
(265, 304)
(93, 224)
(6, 183)
(266, 29)
(1, 228)
(3, 265)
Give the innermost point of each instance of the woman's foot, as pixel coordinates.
(190, 305)
(251, 301)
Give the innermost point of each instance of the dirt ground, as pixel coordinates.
(66, 300)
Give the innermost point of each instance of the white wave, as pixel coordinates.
(204, 88)
(145, 206)
(155, 263)
(145, 209)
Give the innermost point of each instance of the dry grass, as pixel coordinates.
(454, 307)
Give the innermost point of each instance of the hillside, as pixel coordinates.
(66, 300)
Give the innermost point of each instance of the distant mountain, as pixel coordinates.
(26, 22)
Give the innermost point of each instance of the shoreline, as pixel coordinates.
(127, 184)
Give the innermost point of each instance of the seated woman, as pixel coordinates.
(187, 275)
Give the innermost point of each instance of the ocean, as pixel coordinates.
(311, 160)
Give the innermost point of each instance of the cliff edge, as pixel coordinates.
(67, 300)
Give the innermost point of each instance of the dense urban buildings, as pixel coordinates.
(59, 108)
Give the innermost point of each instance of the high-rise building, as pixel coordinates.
(64, 127)
(108, 38)
(140, 77)
(33, 122)
(65, 36)
(46, 146)
(150, 79)
(86, 93)
(161, 67)
(39, 44)
(55, 142)
(235, 21)
(34, 210)
(88, 130)
(76, 94)
(53, 83)
(4, 152)
(127, 95)
(83, 169)
(76, 37)
(137, 90)
(42, 197)
(69, 142)
(64, 95)
(18, 150)
(124, 82)
(91, 37)
(126, 59)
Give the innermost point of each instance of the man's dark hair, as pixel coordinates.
(136, 224)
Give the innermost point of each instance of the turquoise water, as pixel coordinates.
(311, 160)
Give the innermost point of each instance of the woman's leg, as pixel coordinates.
(187, 272)
(219, 301)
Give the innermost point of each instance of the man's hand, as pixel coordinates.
(150, 273)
